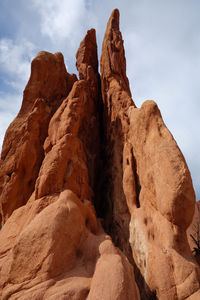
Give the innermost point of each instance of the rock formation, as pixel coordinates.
(22, 152)
(95, 195)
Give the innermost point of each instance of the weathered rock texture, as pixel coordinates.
(95, 194)
(22, 152)
(193, 233)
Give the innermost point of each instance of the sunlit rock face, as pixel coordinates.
(95, 195)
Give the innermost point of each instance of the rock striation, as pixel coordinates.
(95, 195)
(193, 233)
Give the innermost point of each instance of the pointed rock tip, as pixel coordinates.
(91, 32)
(113, 22)
(90, 35)
(87, 53)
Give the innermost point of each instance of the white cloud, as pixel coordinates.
(9, 106)
(10, 102)
(63, 19)
(5, 120)
(15, 61)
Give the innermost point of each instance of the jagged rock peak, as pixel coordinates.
(113, 22)
(87, 63)
(49, 80)
(87, 53)
(113, 61)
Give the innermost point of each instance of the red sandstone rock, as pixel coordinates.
(87, 61)
(165, 209)
(149, 173)
(58, 249)
(116, 100)
(70, 132)
(22, 151)
(71, 156)
(55, 252)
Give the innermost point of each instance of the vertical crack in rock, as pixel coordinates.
(137, 181)
(120, 179)
(157, 188)
(116, 100)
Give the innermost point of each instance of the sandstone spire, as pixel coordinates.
(113, 62)
(116, 103)
(150, 189)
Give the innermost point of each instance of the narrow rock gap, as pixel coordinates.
(108, 180)
(99, 200)
(145, 292)
(104, 205)
(137, 180)
(104, 199)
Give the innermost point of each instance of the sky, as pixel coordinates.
(162, 46)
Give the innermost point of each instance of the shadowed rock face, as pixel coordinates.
(79, 162)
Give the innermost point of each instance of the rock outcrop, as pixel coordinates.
(95, 195)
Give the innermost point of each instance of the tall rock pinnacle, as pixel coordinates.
(95, 195)
(115, 86)
(113, 62)
(116, 102)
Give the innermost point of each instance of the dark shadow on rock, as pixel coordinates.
(145, 292)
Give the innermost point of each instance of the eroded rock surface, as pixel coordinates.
(165, 209)
(193, 233)
(95, 194)
(116, 101)
(22, 151)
